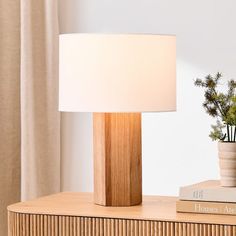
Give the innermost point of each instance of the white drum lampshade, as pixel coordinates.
(117, 76)
(117, 73)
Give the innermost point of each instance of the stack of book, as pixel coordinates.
(207, 198)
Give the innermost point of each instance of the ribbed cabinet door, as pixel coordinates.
(49, 225)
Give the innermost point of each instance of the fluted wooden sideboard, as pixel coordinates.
(74, 214)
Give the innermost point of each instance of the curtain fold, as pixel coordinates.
(40, 120)
(29, 117)
(9, 107)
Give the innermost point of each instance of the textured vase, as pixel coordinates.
(227, 161)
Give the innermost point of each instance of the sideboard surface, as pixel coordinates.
(75, 214)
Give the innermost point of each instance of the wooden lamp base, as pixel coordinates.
(117, 159)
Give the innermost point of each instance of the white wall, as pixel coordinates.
(176, 147)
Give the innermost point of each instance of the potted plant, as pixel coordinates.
(220, 103)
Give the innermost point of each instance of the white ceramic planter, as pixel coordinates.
(227, 161)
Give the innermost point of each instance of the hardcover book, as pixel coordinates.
(209, 191)
(206, 207)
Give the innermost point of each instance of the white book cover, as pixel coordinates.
(210, 190)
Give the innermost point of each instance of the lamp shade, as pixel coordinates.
(117, 73)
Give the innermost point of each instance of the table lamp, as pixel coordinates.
(117, 76)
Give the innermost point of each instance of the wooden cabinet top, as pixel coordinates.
(81, 204)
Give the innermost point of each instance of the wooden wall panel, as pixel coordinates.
(49, 225)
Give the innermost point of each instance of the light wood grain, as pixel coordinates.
(85, 226)
(117, 159)
(154, 208)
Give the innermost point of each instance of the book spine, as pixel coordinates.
(206, 207)
(206, 195)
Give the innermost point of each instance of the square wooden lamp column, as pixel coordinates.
(117, 76)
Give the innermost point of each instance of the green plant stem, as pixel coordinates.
(231, 133)
(228, 136)
(217, 104)
(234, 133)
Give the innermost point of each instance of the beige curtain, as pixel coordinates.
(9, 107)
(29, 120)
